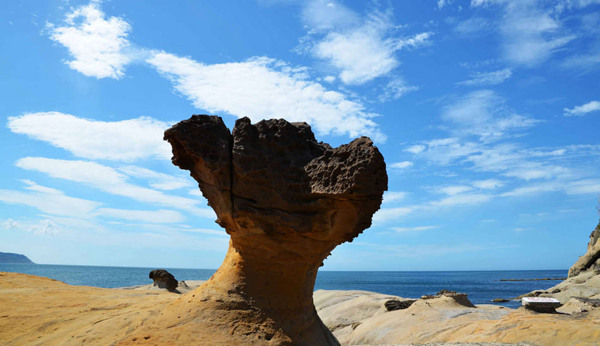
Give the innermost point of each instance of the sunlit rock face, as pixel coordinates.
(287, 201)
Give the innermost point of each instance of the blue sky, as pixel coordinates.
(486, 111)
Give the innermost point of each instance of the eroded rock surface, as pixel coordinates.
(591, 259)
(287, 201)
(584, 276)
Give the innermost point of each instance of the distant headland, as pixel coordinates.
(7, 257)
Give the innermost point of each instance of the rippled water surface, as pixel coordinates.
(481, 286)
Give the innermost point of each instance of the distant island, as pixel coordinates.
(7, 257)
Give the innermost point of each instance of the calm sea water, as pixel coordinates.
(481, 286)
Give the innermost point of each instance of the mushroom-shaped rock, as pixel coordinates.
(287, 201)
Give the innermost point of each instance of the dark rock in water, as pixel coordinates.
(287, 201)
(395, 304)
(7, 257)
(500, 300)
(163, 279)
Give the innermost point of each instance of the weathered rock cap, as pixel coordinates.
(274, 180)
(541, 304)
(164, 279)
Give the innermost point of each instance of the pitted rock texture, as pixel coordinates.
(287, 201)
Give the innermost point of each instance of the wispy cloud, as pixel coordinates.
(484, 113)
(592, 106)
(393, 196)
(340, 36)
(263, 87)
(530, 32)
(488, 78)
(401, 165)
(124, 140)
(42, 227)
(157, 180)
(109, 180)
(259, 87)
(97, 44)
(413, 229)
(48, 200)
(150, 216)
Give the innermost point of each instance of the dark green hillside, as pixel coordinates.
(7, 257)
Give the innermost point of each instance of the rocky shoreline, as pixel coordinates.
(38, 310)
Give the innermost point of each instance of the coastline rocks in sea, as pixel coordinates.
(287, 201)
(164, 279)
(584, 276)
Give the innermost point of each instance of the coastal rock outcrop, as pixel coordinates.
(163, 279)
(584, 276)
(591, 259)
(287, 201)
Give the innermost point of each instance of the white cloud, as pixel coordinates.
(462, 199)
(96, 43)
(530, 32)
(160, 181)
(582, 61)
(415, 149)
(395, 89)
(401, 165)
(328, 14)
(43, 227)
(151, 216)
(125, 140)
(592, 106)
(532, 190)
(385, 215)
(329, 79)
(454, 190)
(488, 184)
(393, 196)
(484, 113)
(48, 200)
(345, 51)
(9, 224)
(109, 180)
(413, 229)
(340, 36)
(442, 3)
(582, 187)
(263, 87)
(488, 78)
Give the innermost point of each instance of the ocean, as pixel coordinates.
(481, 286)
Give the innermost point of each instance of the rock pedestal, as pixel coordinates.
(287, 201)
